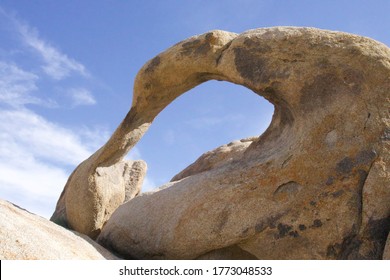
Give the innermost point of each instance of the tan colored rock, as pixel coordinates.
(25, 236)
(135, 173)
(87, 209)
(315, 185)
(86, 201)
(216, 158)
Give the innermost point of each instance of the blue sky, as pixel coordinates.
(67, 71)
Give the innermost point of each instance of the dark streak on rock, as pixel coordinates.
(377, 231)
(294, 233)
(223, 218)
(252, 67)
(153, 64)
(365, 157)
(259, 227)
(362, 180)
(350, 248)
(321, 92)
(374, 236)
(245, 232)
(365, 123)
(333, 251)
(290, 188)
(222, 51)
(354, 79)
(286, 160)
(196, 47)
(283, 230)
(252, 64)
(329, 181)
(256, 47)
(345, 165)
(316, 223)
(269, 222)
(147, 86)
(338, 193)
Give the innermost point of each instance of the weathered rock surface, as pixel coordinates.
(25, 236)
(315, 185)
(94, 191)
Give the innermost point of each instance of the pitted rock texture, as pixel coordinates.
(315, 185)
(25, 236)
(93, 192)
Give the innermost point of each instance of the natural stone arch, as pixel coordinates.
(330, 92)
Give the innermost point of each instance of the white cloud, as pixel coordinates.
(16, 85)
(37, 155)
(57, 64)
(36, 158)
(43, 138)
(28, 178)
(81, 96)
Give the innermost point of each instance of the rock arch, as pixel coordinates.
(320, 165)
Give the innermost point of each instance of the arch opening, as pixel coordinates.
(206, 117)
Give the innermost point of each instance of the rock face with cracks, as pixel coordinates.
(315, 185)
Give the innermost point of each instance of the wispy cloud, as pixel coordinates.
(16, 85)
(57, 64)
(81, 96)
(45, 139)
(36, 154)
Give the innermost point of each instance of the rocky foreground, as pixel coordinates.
(315, 185)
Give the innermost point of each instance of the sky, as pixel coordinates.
(67, 70)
